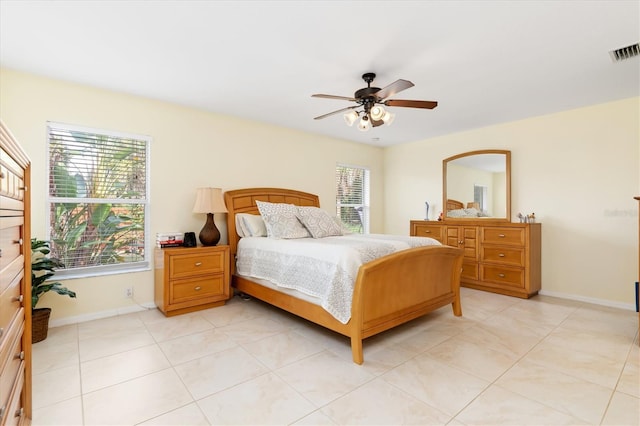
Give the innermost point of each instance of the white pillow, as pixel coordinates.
(253, 225)
(281, 220)
(319, 223)
(240, 228)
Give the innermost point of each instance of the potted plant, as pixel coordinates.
(42, 268)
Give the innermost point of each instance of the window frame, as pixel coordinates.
(102, 270)
(366, 190)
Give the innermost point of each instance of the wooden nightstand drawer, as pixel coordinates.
(196, 288)
(507, 256)
(502, 275)
(186, 265)
(497, 235)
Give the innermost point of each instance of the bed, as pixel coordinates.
(377, 304)
(456, 209)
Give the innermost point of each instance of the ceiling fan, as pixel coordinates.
(371, 99)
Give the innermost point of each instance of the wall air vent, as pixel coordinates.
(627, 52)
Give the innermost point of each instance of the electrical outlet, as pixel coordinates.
(128, 292)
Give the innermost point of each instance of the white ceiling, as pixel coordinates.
(485, 62)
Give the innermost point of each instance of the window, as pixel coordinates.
(352, 197)
(98, 200)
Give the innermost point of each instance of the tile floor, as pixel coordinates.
(542, 361)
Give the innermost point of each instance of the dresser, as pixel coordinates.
(500, 257)
(190, 279)
(15, 282)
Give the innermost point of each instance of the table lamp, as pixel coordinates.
(209, 201)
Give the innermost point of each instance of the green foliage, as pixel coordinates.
(42, 268)
(86, 234)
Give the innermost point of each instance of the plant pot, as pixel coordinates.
(39, 324)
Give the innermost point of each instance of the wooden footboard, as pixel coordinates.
(388, 292)
(403, 286)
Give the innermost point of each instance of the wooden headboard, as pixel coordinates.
(244, 201)
(452, 205)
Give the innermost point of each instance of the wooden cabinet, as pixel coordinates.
(498, 257)
(190, 279)
(15, 282)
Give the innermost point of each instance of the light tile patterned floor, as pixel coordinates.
(542, 361)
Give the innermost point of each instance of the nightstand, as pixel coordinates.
(191, 279)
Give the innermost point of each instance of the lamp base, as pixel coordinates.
(209, 235)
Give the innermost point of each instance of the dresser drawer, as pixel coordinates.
(15, 414)
(187, 265)
(11, 177)
(10, 305)
(10, 241)
(507, 256)
(507, 236)
(12, 357)
(502, 275)
(431, 231)
(196, 288)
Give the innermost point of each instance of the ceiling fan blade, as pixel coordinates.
(393, 88)
(411, 104)
(320, 117)
(344, 98)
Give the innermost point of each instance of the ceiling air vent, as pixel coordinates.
(627, 52)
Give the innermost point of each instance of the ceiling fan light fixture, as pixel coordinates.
(377, 112)
(364, 124)
(388, 118)
(351, 118)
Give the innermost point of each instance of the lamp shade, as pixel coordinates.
(209, 200)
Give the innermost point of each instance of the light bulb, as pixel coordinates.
(377, 112)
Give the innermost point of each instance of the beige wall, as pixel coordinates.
(190, 148)
(577, 170)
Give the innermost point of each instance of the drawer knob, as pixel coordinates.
(198, 263)
(501, 275)
(501, 235)
(198, 288)
(1, 333)
(427, 232)
(18, 241)
(20, 412)
(22, 188)
(20, 356)
(501, 255)
(18, 298)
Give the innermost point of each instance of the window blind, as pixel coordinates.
(352, 197)
(98, 197)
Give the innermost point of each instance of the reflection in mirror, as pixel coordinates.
(477, 185)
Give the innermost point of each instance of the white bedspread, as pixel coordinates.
(325, 268)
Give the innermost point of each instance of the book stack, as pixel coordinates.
(169, 239)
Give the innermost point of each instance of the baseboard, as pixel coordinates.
(99, 315)
(592, 300)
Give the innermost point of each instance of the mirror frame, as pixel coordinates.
(445, 163)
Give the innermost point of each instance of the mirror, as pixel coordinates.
(477, 185)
